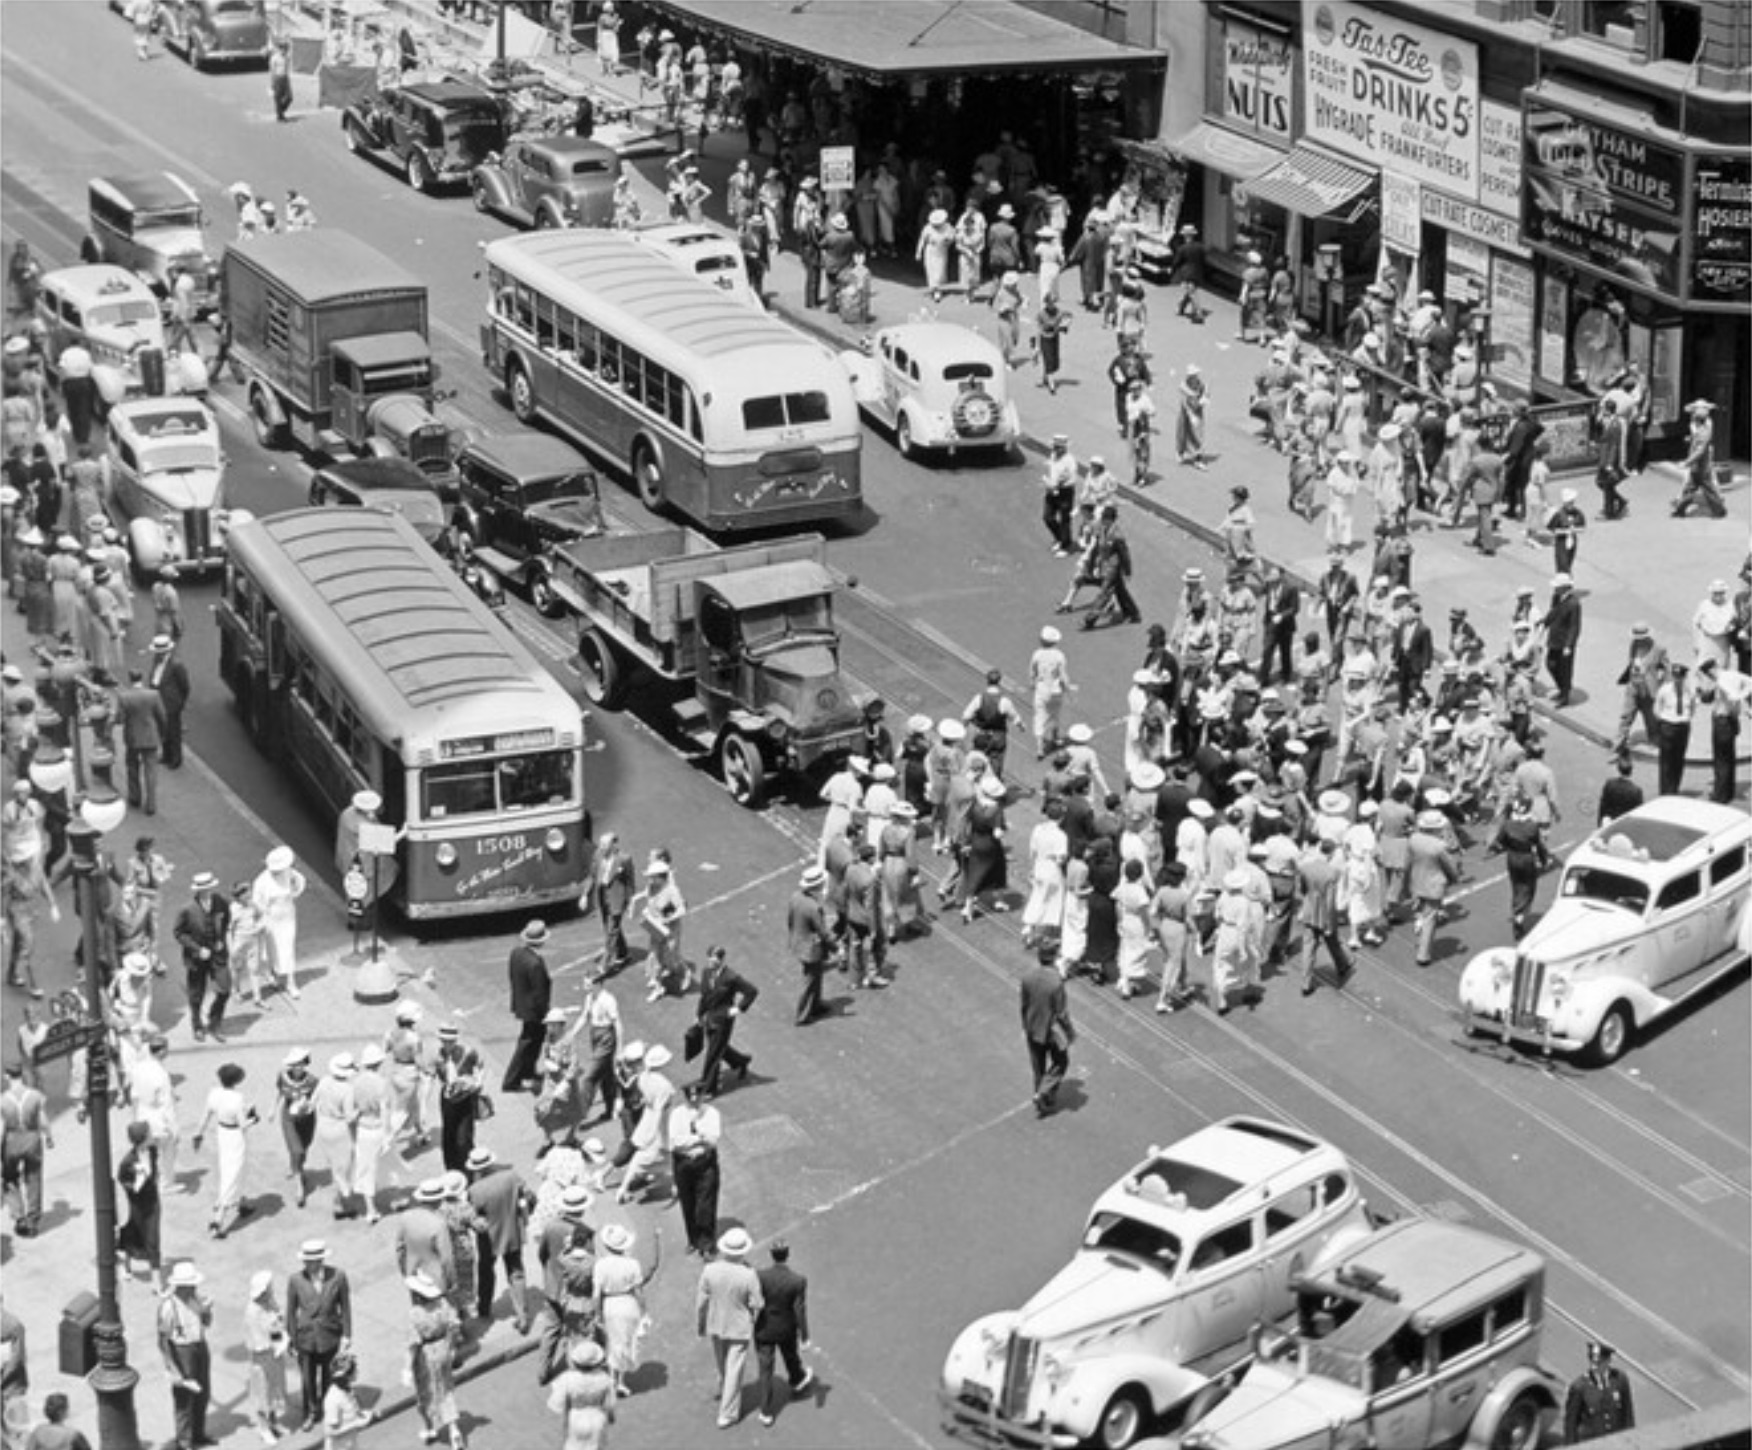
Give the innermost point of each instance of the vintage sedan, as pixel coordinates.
(214, 32)
(152, 225)
(113, 318)
(1652, 909)
(438, 132)
(706, 251)
(166, 483)
(548, 181)
(938, 386)
(1179, 1260)
(393, 485)
(1424, 1335)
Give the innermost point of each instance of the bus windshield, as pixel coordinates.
(478, 787)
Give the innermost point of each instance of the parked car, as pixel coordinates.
(549, 181)
(1179, 1260)
(392, 484)
(114, 317)
(938, 386)
(1425, 1334)
(166, 483)
(1651, 909)
(438, 132)
(705, 251)
(151, 225)
(208, 32)
(521, 495)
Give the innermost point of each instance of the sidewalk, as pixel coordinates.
(1653, 569)
(201, 824)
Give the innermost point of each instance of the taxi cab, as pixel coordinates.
(938, 386)
(1179, 1259)
(166, 470)
(110, 313)
(1652, 909)
(704, 251)
(1425, 1334)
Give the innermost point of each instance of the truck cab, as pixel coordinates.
(381, 396)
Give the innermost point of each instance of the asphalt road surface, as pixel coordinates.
(893, 1144)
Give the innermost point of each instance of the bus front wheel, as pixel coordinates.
(522, 393)
(604, 682)
(744, 771)
(648, 475)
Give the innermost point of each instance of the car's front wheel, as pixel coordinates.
(419, 172)
(543, 595)
(353, 136)
(198, 53)
(1123, 1419)
(1522, 1426)
(483, 196)
(903, 438)
(1612, 1036)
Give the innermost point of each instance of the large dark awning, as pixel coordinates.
(893, 39)
(1315, 183)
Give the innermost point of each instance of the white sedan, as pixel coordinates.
(1652, 909)
(166, 470)
(938, 386)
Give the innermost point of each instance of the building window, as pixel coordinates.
(1613, 20)
(1678, 31)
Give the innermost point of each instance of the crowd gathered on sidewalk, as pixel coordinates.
(1298, 774)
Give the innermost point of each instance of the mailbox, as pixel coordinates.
(79, 1335)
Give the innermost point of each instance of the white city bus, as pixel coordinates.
(725, 416)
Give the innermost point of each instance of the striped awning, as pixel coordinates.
(1226, 151)
(1315, 183)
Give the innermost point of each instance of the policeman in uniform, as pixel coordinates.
(1599, 1401)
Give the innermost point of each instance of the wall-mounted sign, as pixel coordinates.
(1499, 158)
(1401, 220)
(1721, 229)
(1602, 195)
(1257, 95)
(1454, 215)
(1400, 96)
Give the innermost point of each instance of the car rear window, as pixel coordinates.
(955, 372)
(589, 166)
(779, 410)
(1200, 1187)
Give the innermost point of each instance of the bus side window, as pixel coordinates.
(611, 361)
(587, 343)
(565, 330)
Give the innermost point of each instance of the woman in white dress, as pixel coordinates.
(275, 895)
(843, 794)
(608, 25)
(229, 1117)
(619, 1280)
(1048, 848)
(1132, 897)
(1074, 933)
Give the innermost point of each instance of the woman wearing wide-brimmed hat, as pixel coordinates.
(619, 1280)
(583, 1394)
(275, 894)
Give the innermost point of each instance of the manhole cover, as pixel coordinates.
(762, 1136)
(1705, 1190)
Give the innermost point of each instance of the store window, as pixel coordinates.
(1613, 20)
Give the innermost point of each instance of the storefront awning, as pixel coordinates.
(1315, 183)
(899, 38)
(1226, 151)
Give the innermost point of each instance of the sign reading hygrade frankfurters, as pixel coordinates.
(1401, 97)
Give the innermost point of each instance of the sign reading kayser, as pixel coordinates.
(1400, 96)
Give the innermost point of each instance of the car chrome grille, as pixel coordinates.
(1020, 1359)
(198, 532)
(1526, 988)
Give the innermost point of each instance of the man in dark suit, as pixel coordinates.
(1414, 647)
(611, 882)
(781, 1328)
(1599, 1402)
(169, 676)
(143, 727)
(201, 931)
(531, 996)
(501, 1203)
(1283, 602)
(1563, 628)
(1321, 919)
(319, 1321)
(724, 996)
(1046, 1024)
(811, 945)
(1620, 795)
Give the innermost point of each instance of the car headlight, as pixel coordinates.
(445, 855)
(556, 840)
(1054, 1370)
(1502, 972)
(1559, 987)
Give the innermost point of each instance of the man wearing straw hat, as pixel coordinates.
(531, 997)
(184, 1316)
(727, 1304)
(319, 1321)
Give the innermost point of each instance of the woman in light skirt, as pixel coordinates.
(230, 1118)
(275, 895)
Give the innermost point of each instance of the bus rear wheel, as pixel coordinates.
(744, 770)
(604, 680)
(648, 476)
(521, 391)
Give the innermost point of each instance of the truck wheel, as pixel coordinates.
(1612, 1036)
(744, 772)
(268, 433)
(521, 392)
(604, 682)
(1123, 1420)
(649, 477)
(1522, 1426)
(419, 173)
(542, 596)
(903, 439)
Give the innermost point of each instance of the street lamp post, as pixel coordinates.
(113, 1379)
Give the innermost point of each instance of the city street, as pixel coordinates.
(893, 1144)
